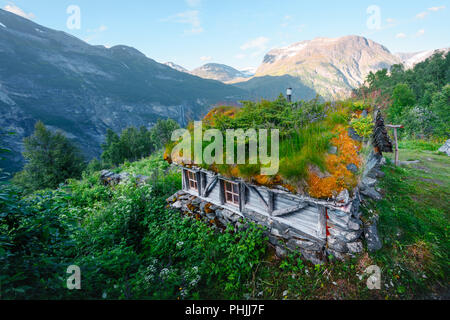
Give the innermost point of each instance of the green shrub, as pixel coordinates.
(363, 126)
(125, 240)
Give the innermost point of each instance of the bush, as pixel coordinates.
(125, 240)
(363, 126)
(51, 159)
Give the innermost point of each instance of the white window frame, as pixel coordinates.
(231, 197)
(191, 180)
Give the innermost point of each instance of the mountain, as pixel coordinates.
(270, 87)
(409, 60)
(176, 67)
(249, 71)
(218, 72)
(82, 89)
(331, 67)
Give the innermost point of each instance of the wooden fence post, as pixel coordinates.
(395, 127)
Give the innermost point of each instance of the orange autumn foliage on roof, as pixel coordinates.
(340, 177)
(223, 110)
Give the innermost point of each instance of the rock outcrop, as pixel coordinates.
(111, 179)
(445, 148)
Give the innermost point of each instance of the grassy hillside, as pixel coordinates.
(130, 246)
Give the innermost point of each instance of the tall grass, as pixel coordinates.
(306, 130)
(306, 146)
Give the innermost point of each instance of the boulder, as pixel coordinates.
(313, 256)
(372, 165)
(303, 244)
(354, 225)
(316, 170)
(445, 148)
(337, 244)
(280, 252)
(355, 247)
(177, 205)
(343, 235)
(332, 150)
(352, 168)
(371, 193)
(336, 255)
(367, 182)
(110, 178)
(371, 235)
(352, 134)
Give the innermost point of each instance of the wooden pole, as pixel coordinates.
(396, 146)
(395, 127)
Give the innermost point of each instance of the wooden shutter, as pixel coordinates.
(322, 222)
(185, 180)
(222, 191)
(242, 198)
(198, 177)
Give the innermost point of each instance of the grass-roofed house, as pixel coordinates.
(327, 154)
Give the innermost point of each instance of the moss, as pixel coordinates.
(341, 178)
(307, 130)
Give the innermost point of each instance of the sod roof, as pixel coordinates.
(321, 145)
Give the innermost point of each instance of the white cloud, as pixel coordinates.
(16, 10)
(422, 15)
(193, 3)
(206, 58)
(102, 28)
(258, 46)
(240, 56)
(436, 8)
(421, 32)
(286, 20)
(400, 35)
(190, 17)
(390, 20)
(258, 43)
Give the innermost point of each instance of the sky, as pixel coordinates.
(239, 33)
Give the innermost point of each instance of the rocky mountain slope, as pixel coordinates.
(176, 67)
(270, 87)
(218, 72)
(331, 67)
(82, 90)
(409, 60)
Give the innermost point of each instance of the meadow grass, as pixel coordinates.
(413, 226)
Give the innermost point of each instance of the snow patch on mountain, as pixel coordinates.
(176, 67)
(249, 71)
(409, 60)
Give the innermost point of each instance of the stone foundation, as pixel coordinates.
(343, 233)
